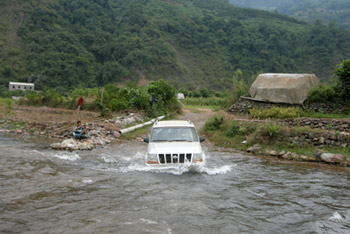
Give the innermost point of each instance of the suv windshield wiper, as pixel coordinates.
(158, 140)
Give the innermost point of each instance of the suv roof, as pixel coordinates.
(174, 123)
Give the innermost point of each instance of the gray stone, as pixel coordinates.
(304, 157)
(94, 133)
(338, 158)
(294, 156)
(322, 140)
(344, 126)
(254, 149)
(311, 135)
(332, 136)
(341, 137)
(273, 153)
(332, 158)
(327, 157)
(318, 153)
(56, 146)
(287, 155)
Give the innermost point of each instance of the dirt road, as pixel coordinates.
(197, 116)
(46, 115)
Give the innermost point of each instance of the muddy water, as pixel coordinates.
(110, 190)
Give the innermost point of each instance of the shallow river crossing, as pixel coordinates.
(110, 190)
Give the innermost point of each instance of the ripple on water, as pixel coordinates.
(67, 156)
(336, 217)
(181, 169)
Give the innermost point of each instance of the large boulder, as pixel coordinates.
(283, 88)
(332, 158)
(68, 143)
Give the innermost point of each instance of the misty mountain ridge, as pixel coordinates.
(337, 11)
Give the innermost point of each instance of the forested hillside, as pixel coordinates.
(337, 11)
(86, 43)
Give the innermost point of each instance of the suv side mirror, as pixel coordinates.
(146, 140)
(201, 139)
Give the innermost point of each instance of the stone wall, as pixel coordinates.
(244, 104)
(328, 138)
(341, 125)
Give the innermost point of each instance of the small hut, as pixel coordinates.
(21, 86)
(283, 88)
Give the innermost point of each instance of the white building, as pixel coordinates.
(20, 86)
(180, 96)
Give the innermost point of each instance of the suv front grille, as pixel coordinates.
(174, 158)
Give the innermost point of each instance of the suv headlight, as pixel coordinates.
(198, 157)
(152, 159)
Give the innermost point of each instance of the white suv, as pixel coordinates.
(174, 142)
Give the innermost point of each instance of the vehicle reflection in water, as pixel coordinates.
(111, 190)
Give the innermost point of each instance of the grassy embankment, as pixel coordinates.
(270, 135)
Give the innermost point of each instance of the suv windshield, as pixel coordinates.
(174, 134)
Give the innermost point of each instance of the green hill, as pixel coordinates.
(86, 43)
(337, 11)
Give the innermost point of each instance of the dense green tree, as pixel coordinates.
(197, 43)
(343, 73)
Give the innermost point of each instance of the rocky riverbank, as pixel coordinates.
(99, 131)
(319, 156)
(278, 139)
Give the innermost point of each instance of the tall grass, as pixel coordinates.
(5, 106)
(275, 112)
(210, 101)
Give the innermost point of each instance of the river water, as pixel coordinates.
(110, 190)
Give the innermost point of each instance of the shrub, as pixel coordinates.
(322, 94)
(272, 130)
(334, 94)
(343, 73)
(214, 123)
(165, 96)
(268, 132)
(233, 130)
(118, 104)
(5, 106)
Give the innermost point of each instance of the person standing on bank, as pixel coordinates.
(78, 131)
(80, 103)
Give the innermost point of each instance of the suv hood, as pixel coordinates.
(174, 147)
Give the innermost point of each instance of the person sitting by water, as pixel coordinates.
(78, 131)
